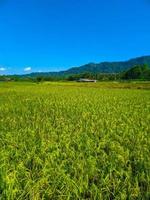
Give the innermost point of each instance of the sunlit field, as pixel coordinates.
(64, 141)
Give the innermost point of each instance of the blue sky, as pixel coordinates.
(53, 35)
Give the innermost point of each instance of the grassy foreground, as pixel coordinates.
(74, 141)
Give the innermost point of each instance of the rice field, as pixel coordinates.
(74, 141)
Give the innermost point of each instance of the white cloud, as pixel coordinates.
(2, 69)
(27, 69)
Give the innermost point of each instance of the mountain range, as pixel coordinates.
(103, 67)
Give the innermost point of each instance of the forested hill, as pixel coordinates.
(110, 67)
(103, 67)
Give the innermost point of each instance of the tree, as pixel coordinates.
(39, 79)
(137, 72)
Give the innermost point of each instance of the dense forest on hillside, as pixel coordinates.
(136, 68)
(138, 72)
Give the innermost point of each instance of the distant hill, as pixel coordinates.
(110, 67)
(103, 67)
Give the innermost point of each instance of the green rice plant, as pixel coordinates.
(74, 141)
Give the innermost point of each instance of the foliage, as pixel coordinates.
(100, 71)
(74, 141)
(137, 72)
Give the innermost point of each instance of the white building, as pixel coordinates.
(86, 80)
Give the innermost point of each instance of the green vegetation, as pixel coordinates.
(138, 72)
(137, 68)
(110, 67)
(74, 141)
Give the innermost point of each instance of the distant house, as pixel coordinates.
(3, 79)
(86, 80)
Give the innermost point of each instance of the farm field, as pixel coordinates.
(74, 141)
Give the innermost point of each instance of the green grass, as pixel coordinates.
(74, 141)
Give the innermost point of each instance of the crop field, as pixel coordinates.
(74, 141)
